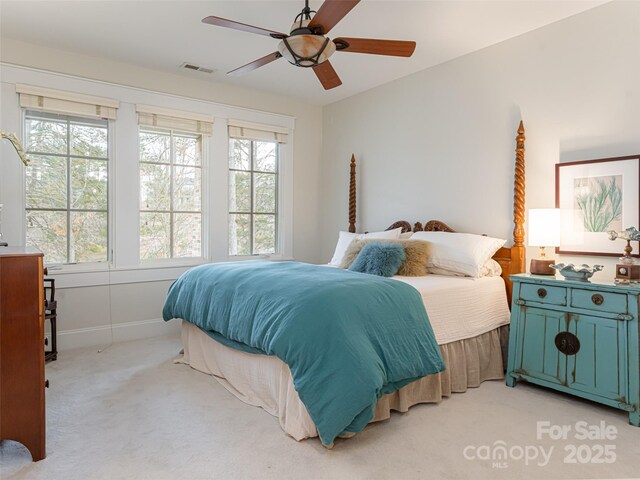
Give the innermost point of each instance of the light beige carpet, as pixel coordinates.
(130, 413)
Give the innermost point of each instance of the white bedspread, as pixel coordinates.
(462, 307)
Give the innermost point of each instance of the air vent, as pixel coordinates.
(191, 66)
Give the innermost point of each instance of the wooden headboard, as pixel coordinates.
(511, 259)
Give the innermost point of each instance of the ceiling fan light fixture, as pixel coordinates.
(306, 50)
(307, 44)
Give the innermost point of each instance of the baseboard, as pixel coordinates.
(102, 336)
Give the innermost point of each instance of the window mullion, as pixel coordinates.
(109, 200)
(276, 217)
(68, 191)
(252, 193)
(171, 191)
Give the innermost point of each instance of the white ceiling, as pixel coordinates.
(164, 34)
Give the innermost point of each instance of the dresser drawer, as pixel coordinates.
(543, 294)
(599, 301)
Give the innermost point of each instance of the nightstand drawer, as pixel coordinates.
(543, 294)
(599, 301)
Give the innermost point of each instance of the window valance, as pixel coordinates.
(70, 103)
(257, 131)
(159, 117)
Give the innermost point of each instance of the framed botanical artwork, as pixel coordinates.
(595, 197)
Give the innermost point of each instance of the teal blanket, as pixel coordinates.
(348, 338)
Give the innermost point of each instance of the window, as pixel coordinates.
(170, 194)
(253, 197)
(67, 185)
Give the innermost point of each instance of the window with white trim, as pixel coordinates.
(67, 186)
(171, 188)
(170, 194)
(253, 196)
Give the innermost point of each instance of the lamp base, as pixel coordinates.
(541, 267)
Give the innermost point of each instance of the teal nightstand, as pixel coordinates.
(577, 337)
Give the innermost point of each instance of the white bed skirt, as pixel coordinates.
(265, 381)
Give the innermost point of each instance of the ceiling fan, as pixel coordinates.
(308, 46)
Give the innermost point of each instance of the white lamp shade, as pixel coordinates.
(544, 227)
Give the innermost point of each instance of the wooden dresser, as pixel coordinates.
(22, 382)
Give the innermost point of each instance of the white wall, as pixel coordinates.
(126, 303)
(440, 144)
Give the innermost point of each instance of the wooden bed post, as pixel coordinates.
(518, 204)
(518, 251)
(352, 195)
(518, 190)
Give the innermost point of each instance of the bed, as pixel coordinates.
(469, 317)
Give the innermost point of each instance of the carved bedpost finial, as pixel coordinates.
(518, 190)
(352, 195)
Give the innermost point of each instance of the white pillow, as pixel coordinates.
(345, 239)
(405, 236)
(491, 268)
(463, 253)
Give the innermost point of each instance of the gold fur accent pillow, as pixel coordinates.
(416, 253)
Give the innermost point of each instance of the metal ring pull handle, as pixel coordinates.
(567, 343)
(542, 292)
(597, 299)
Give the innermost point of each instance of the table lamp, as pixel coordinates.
(544, 231)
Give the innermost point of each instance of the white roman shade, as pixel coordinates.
(59, 101)
(257, 131)
(166, 118)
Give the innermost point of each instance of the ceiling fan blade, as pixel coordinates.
(223, 22)
(327, 75)
(255, 64)
(331, 12)
(396, 48)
